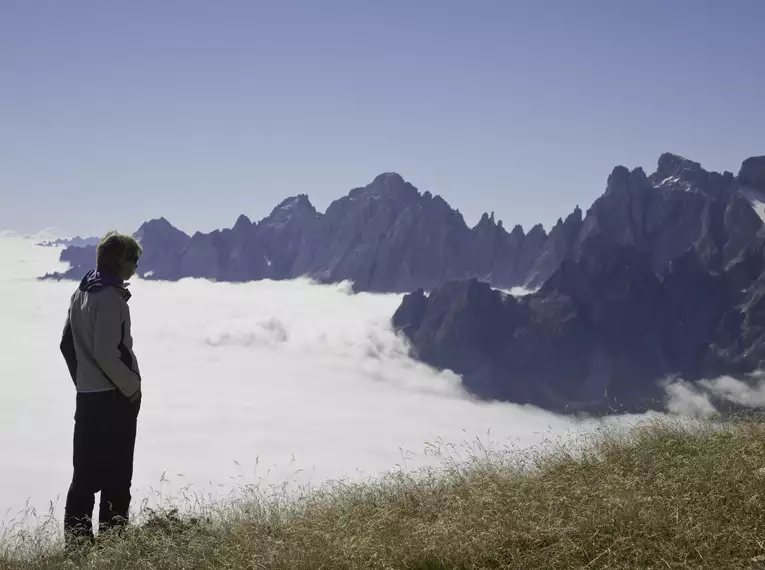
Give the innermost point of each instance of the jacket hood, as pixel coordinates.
(97, 280)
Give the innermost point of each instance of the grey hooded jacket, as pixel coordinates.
(96, 342)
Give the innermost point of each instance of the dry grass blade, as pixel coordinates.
(669, 494)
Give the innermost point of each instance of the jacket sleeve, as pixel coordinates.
(67, 349)
(106, 348)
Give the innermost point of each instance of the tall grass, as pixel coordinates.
(667, 494)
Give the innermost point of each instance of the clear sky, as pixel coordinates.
(112, 113)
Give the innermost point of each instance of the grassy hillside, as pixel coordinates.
(664, 496)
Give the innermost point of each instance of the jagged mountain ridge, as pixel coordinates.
(386, 236)
(389, 237)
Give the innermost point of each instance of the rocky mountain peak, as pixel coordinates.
(677, 172)
(389, 185)
(537, 233)
(156, 223)
(573, 220)
(158, 227)
(752, 173)
(487, 221)
(618, 179)
(675, 165)
(292, 208)
(389, 179)
(517, 232)
(242, 222)
(295, 203)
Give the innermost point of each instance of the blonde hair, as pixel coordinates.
(113, 248)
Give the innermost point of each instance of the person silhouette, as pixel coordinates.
(97, 346)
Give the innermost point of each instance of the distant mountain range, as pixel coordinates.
(76, 241)
(389, 237)
(663, 279)
(384, 237)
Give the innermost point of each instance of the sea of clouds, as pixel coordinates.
(263, 382)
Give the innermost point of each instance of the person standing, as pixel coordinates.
(98, 348)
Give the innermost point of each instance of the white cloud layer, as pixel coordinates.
(242, 382)
(697, 398)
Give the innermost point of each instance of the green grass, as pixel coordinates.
(664, 495)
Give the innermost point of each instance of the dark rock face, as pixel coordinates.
(663, 278)
(600, 334)
(162, 245)
(78, 258)
(680, 206)
(752, 173)
(555, 248)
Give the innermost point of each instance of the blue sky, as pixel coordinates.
(112, 113)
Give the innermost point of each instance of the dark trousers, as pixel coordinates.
(104, 441)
